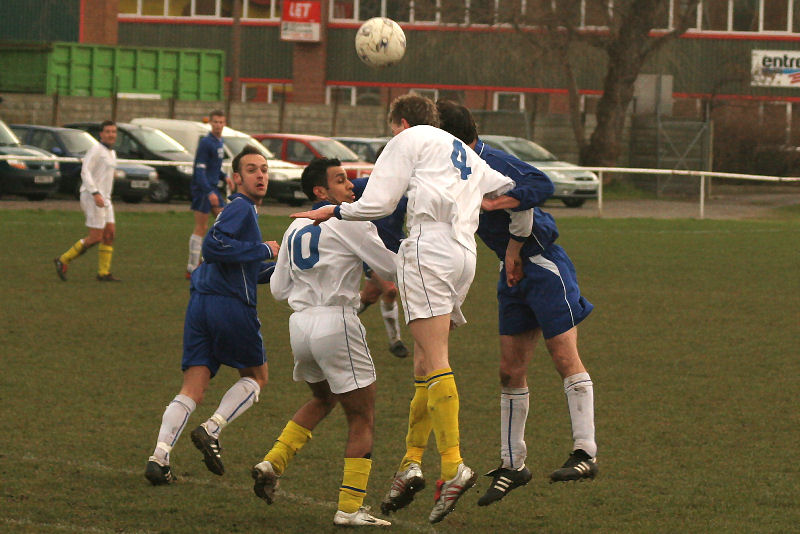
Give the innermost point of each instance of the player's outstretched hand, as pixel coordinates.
(318, 215)
(274, 247)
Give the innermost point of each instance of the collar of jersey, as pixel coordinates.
(240, 195)
(319, 204)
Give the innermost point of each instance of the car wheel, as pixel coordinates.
(37, 196)
(573, 202)
(132, 199)
(160, 192)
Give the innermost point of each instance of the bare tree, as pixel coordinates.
(623, 32)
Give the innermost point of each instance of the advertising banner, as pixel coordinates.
(775, 68)
(301, 21)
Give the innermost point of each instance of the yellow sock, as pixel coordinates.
(288, 443)
(354, 484)
(419, 424)
(104, 253)
(76, 250)
(443, 407)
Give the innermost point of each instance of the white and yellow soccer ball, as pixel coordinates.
(380, 42)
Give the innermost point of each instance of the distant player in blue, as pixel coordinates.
(390, 230)
(222, 326)
(208, 183)
(538, 295)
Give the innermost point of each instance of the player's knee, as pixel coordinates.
(326, 399)
(391, 292)
(511, 373)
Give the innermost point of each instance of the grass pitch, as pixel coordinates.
(692, 348)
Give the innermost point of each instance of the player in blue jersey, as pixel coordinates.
(208, 183)
(390, 230)
(222, 325)
(538, 295)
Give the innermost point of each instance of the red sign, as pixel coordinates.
(301, 21)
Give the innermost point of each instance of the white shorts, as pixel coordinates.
(434, 273)
(329, 343)
(96, 217)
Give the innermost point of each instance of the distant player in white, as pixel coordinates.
(319, 273)
(445, 182)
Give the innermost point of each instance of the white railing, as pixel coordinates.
(601, 172)
(700, 175)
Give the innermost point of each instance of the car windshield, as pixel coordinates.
(157, 141)
(7, 137)
(236, 143)
(528, 150)
(331, 148)
(77, 142)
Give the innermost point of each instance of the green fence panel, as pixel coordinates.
(96, 70)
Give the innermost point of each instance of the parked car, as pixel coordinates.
(284, 177)
(573, 187)
(365, 147)
(132, 182)
(301, 149)
(34, 179)
(141, 142)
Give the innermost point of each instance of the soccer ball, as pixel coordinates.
(380, 42)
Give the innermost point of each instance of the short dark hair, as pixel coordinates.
(457, 120)
(248, 149)
(415, 109)
(216, 113)
(316, 174)
(107, 123)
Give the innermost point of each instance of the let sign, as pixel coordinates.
(301, 21)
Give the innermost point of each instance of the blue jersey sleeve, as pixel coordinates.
(265, 272)
(202, 161)
(221, 244)
(532, 186)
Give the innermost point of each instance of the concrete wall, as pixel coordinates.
(549, 130)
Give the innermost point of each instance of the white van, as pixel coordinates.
(284, 177)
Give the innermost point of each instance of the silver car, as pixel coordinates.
(572, 186)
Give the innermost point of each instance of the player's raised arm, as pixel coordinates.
(318, 215)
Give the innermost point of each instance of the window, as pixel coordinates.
(425, 11)
(341, 95)
(745, 15)
(482, 11)
(180, 8)
(398, 11)
(714, 15)
(298, 151)
(448, 94)
(433, 94)
(368, 96)
(776, 15)
(508, 101)
(343, 9)
(594, 13)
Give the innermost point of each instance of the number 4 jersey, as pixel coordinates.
(322, 265)
(442, 177)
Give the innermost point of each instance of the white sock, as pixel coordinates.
(195, 251)
(241, 395)
(391, 320)
(513, 414)
(172, 424)
(580, 399)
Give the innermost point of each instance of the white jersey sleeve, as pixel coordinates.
(280, 284)
(521, 224)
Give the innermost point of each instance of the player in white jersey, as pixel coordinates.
(319, 273)
(445, 182)
(97, 183)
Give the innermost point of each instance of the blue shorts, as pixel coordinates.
(201, 203)
(367, 270)
(548, 297)
(221, 330)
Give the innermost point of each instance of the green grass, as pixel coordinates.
(692, 348)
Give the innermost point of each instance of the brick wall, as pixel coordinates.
(100, 22)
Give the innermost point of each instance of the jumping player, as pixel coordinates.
(538, 295)
(445, 182)
(318, 272)
(222, 325)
